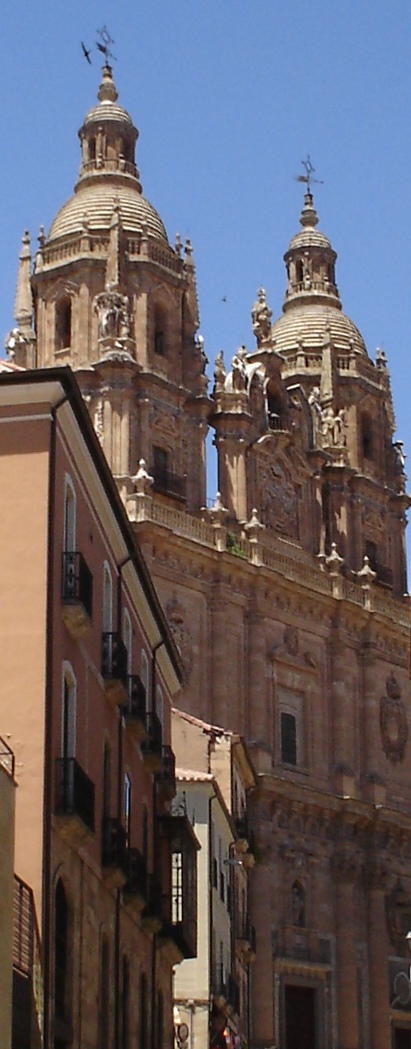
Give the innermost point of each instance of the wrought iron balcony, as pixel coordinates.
(114, 853)
(134, 710)
(166, 778)
(168, 483)
(74, 792)
(76, 593)
(151, 746)
(114, 665)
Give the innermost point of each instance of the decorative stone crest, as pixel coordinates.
(291, 641)
(181, 634)
(393, 722)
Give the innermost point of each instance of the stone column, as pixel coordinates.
(378, 951)
(345, 871)
(107, 424)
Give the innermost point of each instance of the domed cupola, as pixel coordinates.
(310, 262)
(108, 173)
(312, 309)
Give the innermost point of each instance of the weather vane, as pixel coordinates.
(106, 40)
(307, 178)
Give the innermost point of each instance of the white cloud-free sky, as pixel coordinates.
(229, 96)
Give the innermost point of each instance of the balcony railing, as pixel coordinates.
(168, 483)
(77, 581)
(166, 778)
(135, 708)
(74, 792)
(114, 658)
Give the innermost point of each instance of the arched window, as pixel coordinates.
(128, 639)
(107, 599)
(63, 323)
(160, 329)
(371, 551)
(62, 957)
(142, 1041)
(104, 995)
(144, 670)
(274, 408)
(68, 713)
(69, 540)
(288, 730)
(367, 440)
(160, 705)
(299, 271)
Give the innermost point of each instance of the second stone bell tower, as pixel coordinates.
(113, 299)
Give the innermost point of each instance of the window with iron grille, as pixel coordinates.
(177, 887)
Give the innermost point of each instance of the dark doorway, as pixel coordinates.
(402, 1038)
(300, 1027)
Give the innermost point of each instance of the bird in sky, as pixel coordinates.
(86, 53)
(224, 298)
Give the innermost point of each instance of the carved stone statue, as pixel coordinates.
(220, 374)
(113, 312)
(239, 370)
(261, 317)
(332, 426)
(316, 414)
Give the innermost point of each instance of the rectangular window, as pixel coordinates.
(288, 739)
(177, 887)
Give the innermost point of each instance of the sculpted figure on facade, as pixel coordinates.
(220, 373)
(332, 427)
(261, 317)
(316, 415)
(239, 370)
(113, 313)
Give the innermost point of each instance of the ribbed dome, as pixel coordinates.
(108, 110)
(308, 238)
(108, 174)
(96, 203)
(309, 324)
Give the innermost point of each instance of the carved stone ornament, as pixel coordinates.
(261, 317)
(398, 911)
(291, 643)
(181, 634)
(113, 312)
(393, 722)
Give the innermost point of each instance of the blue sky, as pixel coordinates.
(229, 97)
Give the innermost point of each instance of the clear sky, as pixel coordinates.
(229, 96)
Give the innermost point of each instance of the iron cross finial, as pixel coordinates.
(106, 40)
(307, 178)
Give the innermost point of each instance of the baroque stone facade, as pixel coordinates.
(287, 597)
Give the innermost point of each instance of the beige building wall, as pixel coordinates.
(24, 463)
(7, 807)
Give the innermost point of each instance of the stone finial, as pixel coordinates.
(381, 359)
(253, 527)
(366, 575)
(220, 374)
(188, 248)
(23, 304)
(334, 562)
(178, 247)
(142, 480)
(218, 512)
(107, 91)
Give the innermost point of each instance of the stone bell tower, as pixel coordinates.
(113, 299)
(305, 424)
